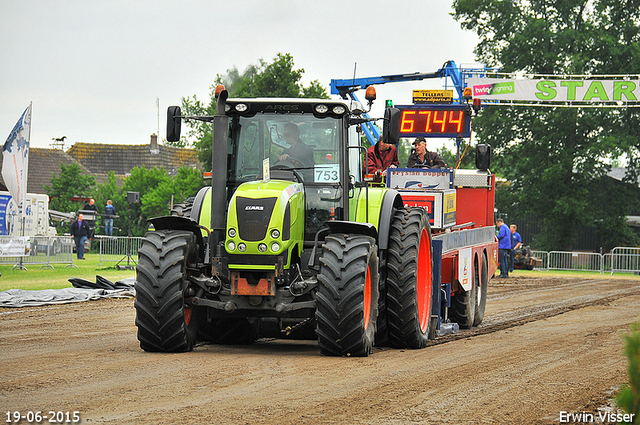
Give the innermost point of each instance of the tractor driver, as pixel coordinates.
(422, 158)
(298, 151)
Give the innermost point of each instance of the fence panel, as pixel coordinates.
(115, 249)
(625, 260)
(45, 251)
(583, 261)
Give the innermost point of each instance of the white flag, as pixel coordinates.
(15, 158)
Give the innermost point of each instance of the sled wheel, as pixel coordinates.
(465, 303)
(410, 280)
(347, 295)
(483, 279)
(165, 322)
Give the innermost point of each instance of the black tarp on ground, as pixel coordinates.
(83, 290)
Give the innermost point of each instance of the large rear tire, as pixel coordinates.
(410, 280)
(347, 296)
(183, 209)
(165, 322)
(483, 280)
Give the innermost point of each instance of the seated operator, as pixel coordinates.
(298, 151)
(381, 156)
(422, 158)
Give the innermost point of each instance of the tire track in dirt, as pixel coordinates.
(524, 315)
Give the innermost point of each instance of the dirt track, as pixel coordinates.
(547, 345)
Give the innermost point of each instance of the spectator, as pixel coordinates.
(80, 231)
(109, 213)
(504, 247)
(381, 156)
(422, 158)
(516, 241)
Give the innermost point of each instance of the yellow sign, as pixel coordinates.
(432, 96)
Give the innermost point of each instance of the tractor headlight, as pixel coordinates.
(241, 107)
(321, 109)
(338, 110)
(231, 246)
(242, 247)
(232, 233)
(275, 234)
(262, 247)
(275, 247)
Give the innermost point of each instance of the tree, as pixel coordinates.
(552, 156)
(275, 79)
(70, 183)
(157, 190)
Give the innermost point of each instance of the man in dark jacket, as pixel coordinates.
(381, 156)
(80, 231)
(422, 158)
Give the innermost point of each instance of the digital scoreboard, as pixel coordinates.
(435, 121)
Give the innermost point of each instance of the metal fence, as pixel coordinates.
(117, 249)
(619, 260)
(45, 251)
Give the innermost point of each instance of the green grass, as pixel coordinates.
(35, 278)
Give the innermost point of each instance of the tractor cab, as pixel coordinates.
(296, 140)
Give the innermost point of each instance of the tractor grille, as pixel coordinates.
(253, 217)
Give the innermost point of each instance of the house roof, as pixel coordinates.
(43, 164)
(98, 159)
(121, 159)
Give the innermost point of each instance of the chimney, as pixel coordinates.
(153, 146)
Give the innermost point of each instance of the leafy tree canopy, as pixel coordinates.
(275, 79)
(70, 183)
(552, 156)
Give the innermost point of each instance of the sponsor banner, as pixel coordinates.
(432, 96)
(14, 246)
(556, 90)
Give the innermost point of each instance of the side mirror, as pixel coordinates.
(174, 122)
(391, 126)
(483, 157)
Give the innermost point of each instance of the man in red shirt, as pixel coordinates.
(381, 156)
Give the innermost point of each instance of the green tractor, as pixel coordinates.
(290, 240)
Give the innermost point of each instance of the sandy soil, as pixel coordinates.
(548, 345)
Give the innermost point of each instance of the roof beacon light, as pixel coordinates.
(467, 93)
(219, 89)
(370, 94)
(477, 105)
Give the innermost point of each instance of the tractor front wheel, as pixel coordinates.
(347, 299)
(165, 321)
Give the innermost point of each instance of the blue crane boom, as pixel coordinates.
(346, 88)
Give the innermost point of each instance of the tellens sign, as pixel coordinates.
(557, 90)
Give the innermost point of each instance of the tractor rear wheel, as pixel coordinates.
(165, 321)
(183, 209)
(483, 280)
(410, 280)
(347, 296)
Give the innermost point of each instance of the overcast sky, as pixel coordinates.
(94, 70)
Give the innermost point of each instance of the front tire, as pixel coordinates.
(165, 322)
(347, 296)
(410, 280)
